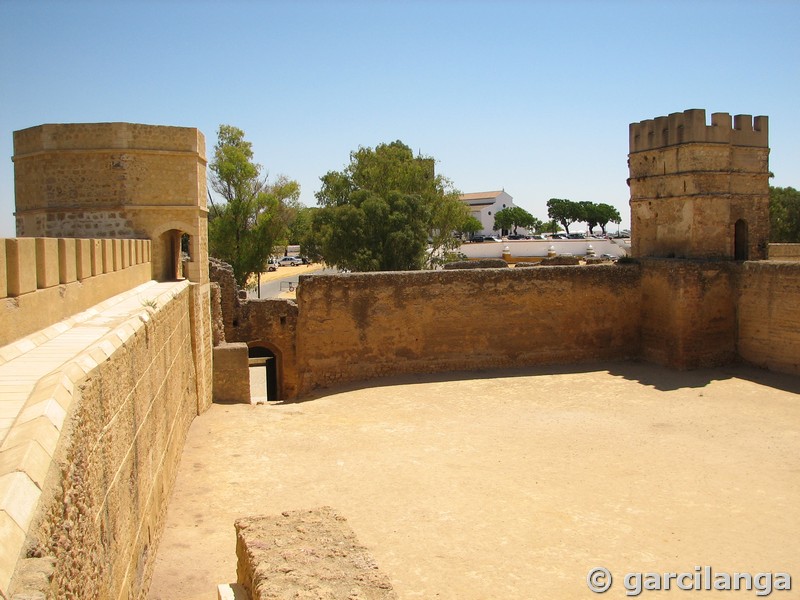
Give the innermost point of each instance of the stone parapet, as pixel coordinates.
(789, 252)
(44, 280)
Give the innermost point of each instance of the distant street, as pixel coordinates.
(276, 284)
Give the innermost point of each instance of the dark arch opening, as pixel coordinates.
(169, 255)
(263, 371)
(740, 242)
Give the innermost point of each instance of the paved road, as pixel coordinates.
(275, 284)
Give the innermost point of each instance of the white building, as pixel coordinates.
(484, 205)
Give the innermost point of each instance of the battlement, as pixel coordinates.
(690, 127)
(43, 280)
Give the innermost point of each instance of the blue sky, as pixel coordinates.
(531, 97)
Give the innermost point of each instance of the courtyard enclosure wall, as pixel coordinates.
(769, 315)
(361, 326)
(45, 280)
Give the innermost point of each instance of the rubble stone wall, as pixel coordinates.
(364, 325)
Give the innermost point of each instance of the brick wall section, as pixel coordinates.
(364, 325)
(769, 315)
(102, 507)
(688, 313)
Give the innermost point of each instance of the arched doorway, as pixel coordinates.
(740, 242)
(263, 374)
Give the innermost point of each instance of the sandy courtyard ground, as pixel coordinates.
(508, 485)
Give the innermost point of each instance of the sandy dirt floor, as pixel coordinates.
(508, 485)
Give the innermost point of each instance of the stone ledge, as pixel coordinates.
(306, 553)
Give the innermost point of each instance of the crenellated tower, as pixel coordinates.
(700, 191)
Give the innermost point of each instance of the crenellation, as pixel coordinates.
(699, 191)
(690, 126)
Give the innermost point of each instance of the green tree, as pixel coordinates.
(254, 214)
(470, 226)
(381, 212)
(512, 217)
(607, 214)
(589, 211)
(300, 224)
(565, 212)
(784, 214)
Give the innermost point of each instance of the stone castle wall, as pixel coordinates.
(682, 314)
(768, 315)
(87, 465)
(688, 313)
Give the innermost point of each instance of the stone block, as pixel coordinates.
(83, 259)
(46, 262)
(20, 261)
(231, 373)
(28, 458)
(232, 591)
(108, 255)
(39, 430)
(18, 497)
(284, 555)
(13, 537)
(48, 408)
(125, 254)
(97, 257)
(67, 260)
(3, 270)
(116, 255)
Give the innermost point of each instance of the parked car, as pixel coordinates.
(272, 264)
(517, 236)
(491, 238)
(476, 238)
(290, 261)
